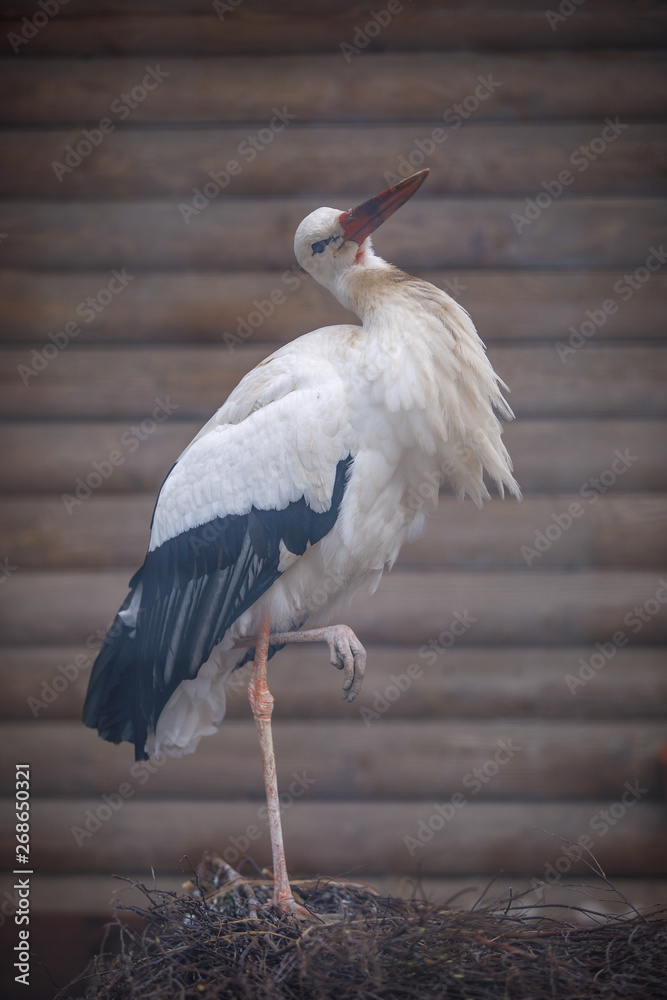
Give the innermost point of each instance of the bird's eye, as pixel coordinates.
(319, 247)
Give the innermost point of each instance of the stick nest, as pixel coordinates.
(226, 940)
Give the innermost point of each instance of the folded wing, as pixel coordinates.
(240, 495)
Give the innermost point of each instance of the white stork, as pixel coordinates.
(300, 483)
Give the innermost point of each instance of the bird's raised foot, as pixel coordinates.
(347, 654)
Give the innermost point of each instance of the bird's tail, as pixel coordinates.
(113, 702)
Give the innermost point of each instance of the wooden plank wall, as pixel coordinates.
(174, 322)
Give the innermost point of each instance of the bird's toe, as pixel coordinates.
(290, 905)
(347, 654)
(359, 654)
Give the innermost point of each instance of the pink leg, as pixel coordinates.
(261, 702)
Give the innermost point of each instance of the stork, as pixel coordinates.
(300, 483)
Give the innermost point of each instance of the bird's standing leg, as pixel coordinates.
(261, 703)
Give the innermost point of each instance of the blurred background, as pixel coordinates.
(156, 159)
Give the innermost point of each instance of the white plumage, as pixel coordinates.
(403, 398)
(350, 421)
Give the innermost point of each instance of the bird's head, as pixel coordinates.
(328, 243)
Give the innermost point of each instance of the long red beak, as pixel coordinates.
(358, 223)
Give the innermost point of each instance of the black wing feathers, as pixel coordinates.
(187, 594)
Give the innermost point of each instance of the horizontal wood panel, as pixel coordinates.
(395, 87)
(210, 375)
(106, 384)
(478, 159)
(607, 531)
(289, 8)
(550, 456)
(131, 32)
(95, 895)
(410, 607)
(511, 607)
(507, 677)
(238, 234)
(49, 683)
(357, 838)
(542, 383)
(202, 307)
(342, 760)
(602, 380)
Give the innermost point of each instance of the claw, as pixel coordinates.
(347, 654)
(359, 655)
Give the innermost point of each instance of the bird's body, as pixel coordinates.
(301, 489)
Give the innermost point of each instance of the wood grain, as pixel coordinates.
(473, 682)
(200, 307)
(291, 8)
(509, 607)
(572, 86)
(78, 30)
(550, 456)
(349, 760)
(241, 234)
(481, 838)
(607, 531)
(489, 159)
(507, 676)
(107, 384)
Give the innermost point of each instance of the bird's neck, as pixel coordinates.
(383, 297)
(371, 289)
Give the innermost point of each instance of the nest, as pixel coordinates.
(226, 940)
